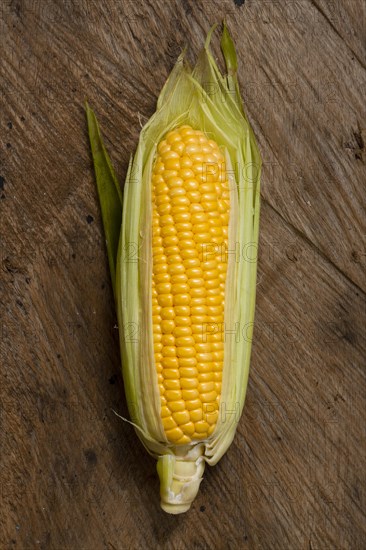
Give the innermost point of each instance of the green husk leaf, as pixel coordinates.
(228, 49)
(109, 192)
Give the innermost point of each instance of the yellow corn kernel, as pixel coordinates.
(168, 423)
(174, 434)
(196, 415)
(193, 404)
(165, 412)
(181, 417)
(176, 406)
(201, 427)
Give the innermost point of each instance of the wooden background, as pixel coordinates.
(73, 476)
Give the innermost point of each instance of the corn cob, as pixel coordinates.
(190, 205)
(190, 213)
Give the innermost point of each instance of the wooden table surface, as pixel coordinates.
(73, 475)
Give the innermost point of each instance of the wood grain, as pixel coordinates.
(72, 474)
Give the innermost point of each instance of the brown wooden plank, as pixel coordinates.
(293, 473)
(306, 104)
(348, 19)
(73, 475)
